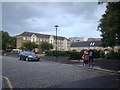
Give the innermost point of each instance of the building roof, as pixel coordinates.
(94, 39)
(41, 35)
(86, 44)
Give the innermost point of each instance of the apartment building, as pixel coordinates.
(63, 44)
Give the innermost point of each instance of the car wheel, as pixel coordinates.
(19, 58)
(38, 59)
(27, 59)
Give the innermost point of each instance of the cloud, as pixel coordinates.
(1, 16)
(75, 18)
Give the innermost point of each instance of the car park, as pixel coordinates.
(28, 56)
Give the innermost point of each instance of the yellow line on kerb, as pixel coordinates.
(8, 81)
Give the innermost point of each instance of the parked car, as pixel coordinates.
(5, 52)
(28, 55)
(37, 52)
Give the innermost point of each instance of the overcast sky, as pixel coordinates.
(75, 19)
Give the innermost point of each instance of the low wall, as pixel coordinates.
(108, 64)
(97, 62)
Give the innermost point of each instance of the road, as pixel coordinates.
(48, 74)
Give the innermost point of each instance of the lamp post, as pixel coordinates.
(116, 39)
(56, 26)
(117, 43)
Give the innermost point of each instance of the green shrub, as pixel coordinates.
(48, 53)
(96, 54)
(112, 55)
(102, 54)
(72, 55)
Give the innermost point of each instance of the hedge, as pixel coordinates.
(72, 55)
(113, 55)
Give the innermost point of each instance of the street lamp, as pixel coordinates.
(56, 26)
(116, 39)
(117, 43)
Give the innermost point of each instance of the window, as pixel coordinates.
(28, 38)
(33, 35)
(33, 39)
(24, 38)
(40, 39)
(92, 44)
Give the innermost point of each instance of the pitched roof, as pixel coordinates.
(41, 35)
(86, 44)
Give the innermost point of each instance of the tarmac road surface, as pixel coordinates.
(47, 74)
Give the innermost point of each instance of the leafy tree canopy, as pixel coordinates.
(45, 46)
(28, 45)
(8, 42)
(110, 24)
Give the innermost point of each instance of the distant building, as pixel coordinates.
(78, 46)
(94, 39)
(76, 39)
(63, 43)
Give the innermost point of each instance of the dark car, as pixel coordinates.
(5, 52)
(28, 55)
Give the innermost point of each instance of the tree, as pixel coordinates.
(109, 24)
(23, 48)
(12, 42)
(8, 42)
(28, 45)
(45, 46)
(5, 40)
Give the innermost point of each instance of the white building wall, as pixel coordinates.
(51, 39)
(33, 38)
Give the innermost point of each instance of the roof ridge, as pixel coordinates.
(86, 44)
(40, 34)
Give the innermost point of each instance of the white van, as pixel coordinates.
(16, 51)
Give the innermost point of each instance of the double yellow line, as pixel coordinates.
(8, 82)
